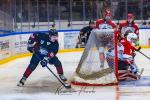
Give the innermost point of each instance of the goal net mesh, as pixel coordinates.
(89, 70)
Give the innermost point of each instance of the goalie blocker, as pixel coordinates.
(89, 71)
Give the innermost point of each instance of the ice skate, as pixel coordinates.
(62, 77)
(21, 82)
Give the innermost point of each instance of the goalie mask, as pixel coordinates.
(53, 35)
(132, 37)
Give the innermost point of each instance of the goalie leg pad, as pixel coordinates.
(126, 75)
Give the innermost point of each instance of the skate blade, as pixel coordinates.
(20, 85)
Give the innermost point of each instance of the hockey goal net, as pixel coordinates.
(91, 70)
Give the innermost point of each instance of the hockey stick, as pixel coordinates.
(144, 54)
(64, 84)
(67, 86)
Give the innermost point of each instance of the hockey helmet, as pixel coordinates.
(91, 22)
(127, 31)
(53, 32)
(132, 37)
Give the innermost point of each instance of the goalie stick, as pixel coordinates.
(66, 85)
(141, 72)
(144, 54)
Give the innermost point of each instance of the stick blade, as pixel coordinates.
(67, 85)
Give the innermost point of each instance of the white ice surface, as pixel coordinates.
(41, 85)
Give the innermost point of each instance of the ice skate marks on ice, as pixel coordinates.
(143, 81)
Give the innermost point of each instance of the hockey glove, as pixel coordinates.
(44, 62)
(32, 48)
(138, 49)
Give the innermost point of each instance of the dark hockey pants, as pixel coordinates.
(35, 61)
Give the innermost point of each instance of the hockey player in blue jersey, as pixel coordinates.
(43, 45)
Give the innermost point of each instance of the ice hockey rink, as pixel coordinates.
(42, 85)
